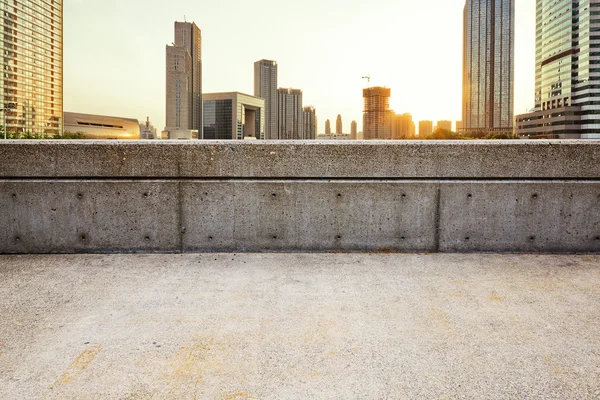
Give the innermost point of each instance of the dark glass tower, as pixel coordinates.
(488, 65)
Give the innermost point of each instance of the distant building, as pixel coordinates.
(425, 129)
(265, 86)
(567, 100)
(32, 66)
(488, 63)
(334, 137)
(328, 128)
(233, 115)
(377, 116)
(445, 125)
(147, 130)
(338, 125)
(459, 126)
(354, 130)
(404, 127)
(310, 122)
(101, 126)
(290, 116)
(184, 79)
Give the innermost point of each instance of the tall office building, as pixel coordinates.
(184, 79)
(338, 125)
(353, 130)
(265, 86)
(310, 122)
(328, 128)
(377, 116)
(291, 123)
(32, 64)
(404, 127)
(425, 129)
(488, 65)
(567, 72)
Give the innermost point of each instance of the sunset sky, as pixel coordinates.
(115, 53)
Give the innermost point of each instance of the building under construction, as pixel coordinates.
(377, 116)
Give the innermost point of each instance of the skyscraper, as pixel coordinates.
(338, 125)
(377, 116)
(567, 102)
(328, 128)
(310, 122)
(265, 86)
(32, 77)
(184, 79)
(353, 130)
(425, 129)
(290, 114)
(404, 127)
(488, 64)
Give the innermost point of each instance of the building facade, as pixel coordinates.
(233, 116)
(425, 129)
(32, 80)
(354, 130)
(101, 127)
(184, 79)
(265, 86)
(404, 127)
(444, 125)
(328, 128)
(291, 120)
(377, 117)
(310, 122)
(567, 72)
(488, 65)
(338, 125)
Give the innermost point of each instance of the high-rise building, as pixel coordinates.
(184, 79)
(32, 77)
(310, 122)
(233, 115)
(377, 116)
(488, 64)
(404, 127)
(354, 130)
(338, 125)
(445, 125)
(567, 102)
(328, 128)
(425, 129)
(459, 126)
(290, 116)
(265, 86)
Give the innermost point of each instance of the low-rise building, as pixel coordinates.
(92, 126)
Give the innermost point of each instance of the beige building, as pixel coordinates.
(425, 129)
(445, 125)
(377, 116)
(354, 130)
(31, 83)
(101, 126)
(328, 128)
(338, 125)
(290, 118)
(404, 127)
(184, 79)
(310, 122)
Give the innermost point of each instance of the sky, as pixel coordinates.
(115, 53)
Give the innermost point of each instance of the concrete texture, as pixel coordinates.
(282, 326)
(572, 159)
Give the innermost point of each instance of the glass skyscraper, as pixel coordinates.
(567, 71)
(488, 65)
(32, 63)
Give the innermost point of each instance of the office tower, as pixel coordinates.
(32, 77)
(567, 102)
(377, 116)
(354, 130)
(310, 122)
(425, 129)
(265, 86)
(488, 65)
(290, 117)
(404, 127)
(445, 125)
(233, 115)
(338, 125)
(184, 79)
(459, 126)
(328, 128)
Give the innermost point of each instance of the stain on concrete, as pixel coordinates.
(77, 367)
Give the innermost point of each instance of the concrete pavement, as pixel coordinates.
(299, 326)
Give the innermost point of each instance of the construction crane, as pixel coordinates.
(368, 78)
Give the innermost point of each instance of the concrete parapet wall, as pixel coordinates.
(517, 196)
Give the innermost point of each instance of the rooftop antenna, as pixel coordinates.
(184, 19)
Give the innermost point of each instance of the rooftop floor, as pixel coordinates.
(277, 326)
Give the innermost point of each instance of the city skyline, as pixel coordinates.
(136, 66)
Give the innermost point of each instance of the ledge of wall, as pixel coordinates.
(96, 197)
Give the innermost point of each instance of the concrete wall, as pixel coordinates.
(517, 196)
